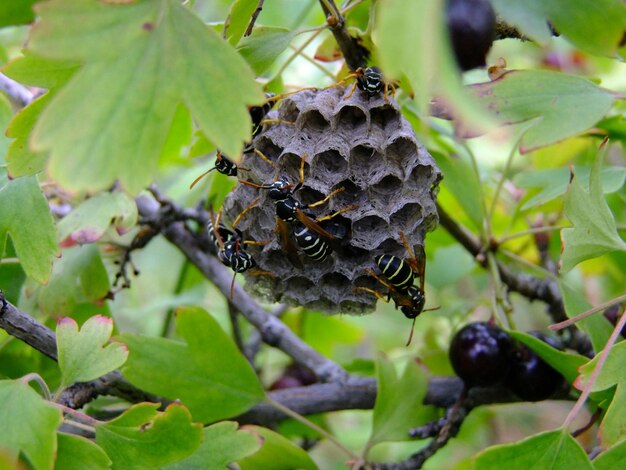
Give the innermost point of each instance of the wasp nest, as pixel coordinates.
(361, 144)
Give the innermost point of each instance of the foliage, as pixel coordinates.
(108, 97)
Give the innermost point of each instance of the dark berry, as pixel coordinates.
(294, 375)
(531, 378)
(612, 315)
(480, 354)
(471, 24)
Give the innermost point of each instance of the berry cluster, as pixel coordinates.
(484, 355)
(335, 197)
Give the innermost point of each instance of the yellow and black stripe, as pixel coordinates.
(399, 273)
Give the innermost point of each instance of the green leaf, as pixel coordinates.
(222, 445)
(6, 113)
(594, 232)
(553, 450)
(83, 355)
(207, 373)
(26, 218)
(75, 451)
(596, 326)
(553, 99)
(88, 222)
(567, 364)
(554, 182)
(596, 27)
(135, 73)
(399, 402)
(613, 458)
(29, 424)
(461, 180)
(413, 42)
(291, 456)
(40, 72)
(16, 12)
(78, 277)
(240, 14)
(264, 46)
(613, 426)
(143, 438)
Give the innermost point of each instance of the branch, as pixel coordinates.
(533, 288)
(355, 54)
(25, 328)
(273, 331)
(17, 93)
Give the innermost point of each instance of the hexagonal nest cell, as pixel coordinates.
(361, 144)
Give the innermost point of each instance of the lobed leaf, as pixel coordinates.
(89, 220)
(594, 232)
(612, 458)
(140, 61)
(75, 451)
(29, 425)
(207, 372)
(399, 402)
(613, 426)
(554, 182)
(37, 71)
(264, 46)
(83, 355)
(291, 455)
(222, 445)
(16, 12)
(78, 277)
(553, 100)
(143, 438)
(26, 218)
(596, 27)
(552, 450)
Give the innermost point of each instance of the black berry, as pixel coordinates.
(531, 378)
(480, 354)
(471, 24)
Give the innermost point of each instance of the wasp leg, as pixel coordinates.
(354, 85)
(252, 242)
(336, 213)
(245, 211)
(382, 281)
(264, 158)
(277, 121)
(257, 272)
(322, 201)
(371, 291)
(411, 333)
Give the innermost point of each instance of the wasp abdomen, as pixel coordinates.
(399, 273)
(312, 245)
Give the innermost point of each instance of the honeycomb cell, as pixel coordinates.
(390, 183)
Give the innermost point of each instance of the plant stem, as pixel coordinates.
(296, 53)
(309, 59)
(40, 381)
(93, 422)
(530, 231)
(596, 372)
(587, 313)
(315, 427)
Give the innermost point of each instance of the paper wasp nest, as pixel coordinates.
(361, 144)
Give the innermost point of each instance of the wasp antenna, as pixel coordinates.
(411, 333)
(200, 177)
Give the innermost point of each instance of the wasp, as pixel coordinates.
(229, 246)
(310, 235)
(400, 277)
(370, 81)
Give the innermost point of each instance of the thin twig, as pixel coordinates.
(255, 15)
(596, 372)
(313, 426)
(587, 313)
